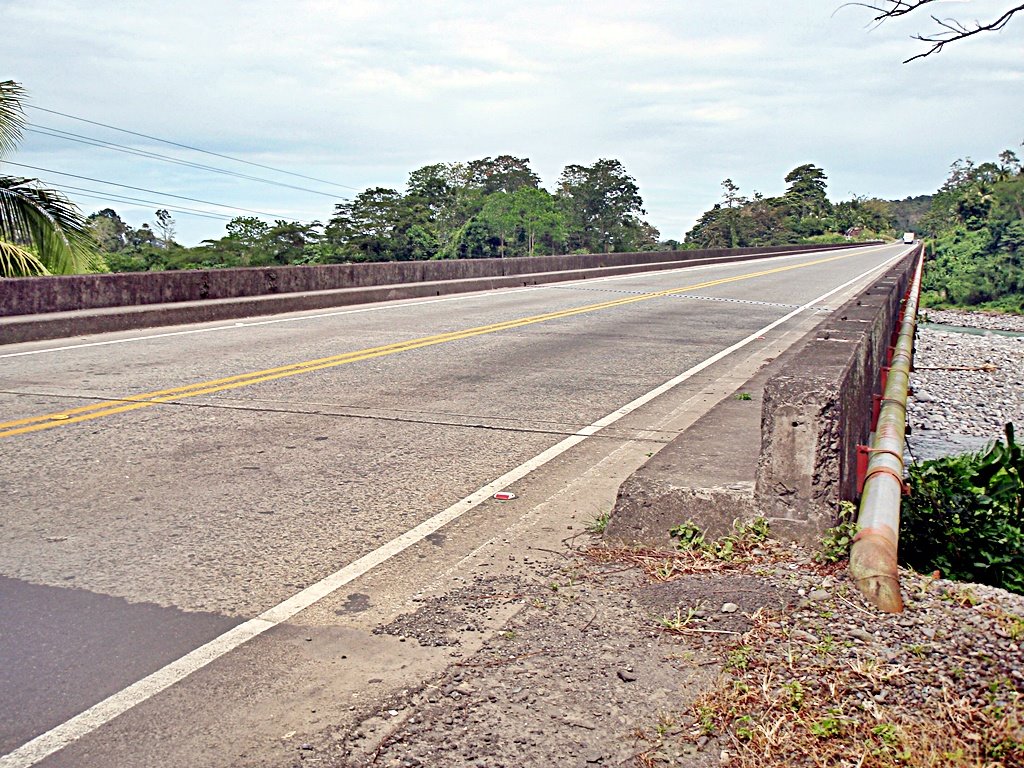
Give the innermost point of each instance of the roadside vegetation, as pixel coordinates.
(975, 226)
(496, 207)
(965, 516)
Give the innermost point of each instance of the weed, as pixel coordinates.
(826, 727)
(965, 598)
(678, 622)
(507, 635)
(743, 727)
(836, 543)
(666, 723)
(706, 720)
(816, 710)
(689, 534)
(743, 538)
(665, 570)
(794, 694)
(964, 516)
(918, 650)
(599, 523)
(739, 658)
(742, 396)
(826, 645)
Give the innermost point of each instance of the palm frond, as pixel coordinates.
(12, 115)
(17, 261)
(48, 225)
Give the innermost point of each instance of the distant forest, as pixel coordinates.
(496, 207)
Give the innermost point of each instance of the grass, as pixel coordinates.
(818, 712)
(599, 523)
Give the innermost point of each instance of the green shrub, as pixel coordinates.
(965, 516)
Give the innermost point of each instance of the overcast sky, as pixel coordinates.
(685, 93)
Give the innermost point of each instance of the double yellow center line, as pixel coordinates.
(148, 399)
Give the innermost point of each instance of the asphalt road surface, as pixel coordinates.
(201, 524)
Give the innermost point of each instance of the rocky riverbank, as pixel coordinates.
(966, 386)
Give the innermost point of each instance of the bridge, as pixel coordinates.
(206, 522)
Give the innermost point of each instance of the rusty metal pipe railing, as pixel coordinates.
(873, 557)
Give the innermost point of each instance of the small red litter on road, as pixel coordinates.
(504, 495)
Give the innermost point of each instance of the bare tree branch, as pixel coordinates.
(949, 30)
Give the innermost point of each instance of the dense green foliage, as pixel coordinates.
(965, 516)
(493, 207)
(976, 226)
(41, 231)
(804, 214)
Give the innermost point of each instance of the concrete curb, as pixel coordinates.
(705, 475)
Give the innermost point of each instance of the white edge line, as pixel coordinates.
(401, 304)
(81, 725)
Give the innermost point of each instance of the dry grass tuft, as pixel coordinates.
(813, 709)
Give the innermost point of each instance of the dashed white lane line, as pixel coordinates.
(44, 745)
(383, 306)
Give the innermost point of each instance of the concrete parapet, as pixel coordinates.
(817, 409)
(704, 476)
(39, 295)
(33, 309)
(812, 407)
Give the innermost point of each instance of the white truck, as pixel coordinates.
(908, 238)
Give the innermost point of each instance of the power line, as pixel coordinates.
(56, 133)
(194, 149)
(99, 194)
(150, 191)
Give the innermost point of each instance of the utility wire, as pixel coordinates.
(56, 133)
(143, 189)
(99, 194)
(186, 146)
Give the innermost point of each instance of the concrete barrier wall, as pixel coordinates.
(39, 295)
(818, 409)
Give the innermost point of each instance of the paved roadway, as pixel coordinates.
(172, 487)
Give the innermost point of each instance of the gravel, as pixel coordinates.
(621, 668)
(965, 386)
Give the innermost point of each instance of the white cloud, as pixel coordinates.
(685, 94)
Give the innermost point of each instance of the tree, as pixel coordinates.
(977, 223)
(41, 231)
(806, 200)
(292, 242)
(539, 217)
(165, 223)
(439, 200)
(501, 174)
(733, 202)
(949, 30)
(108, 230)
(601, 203)
(379, 225)
(519, 219)
(499, 215)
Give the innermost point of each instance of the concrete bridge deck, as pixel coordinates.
(304, 477)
